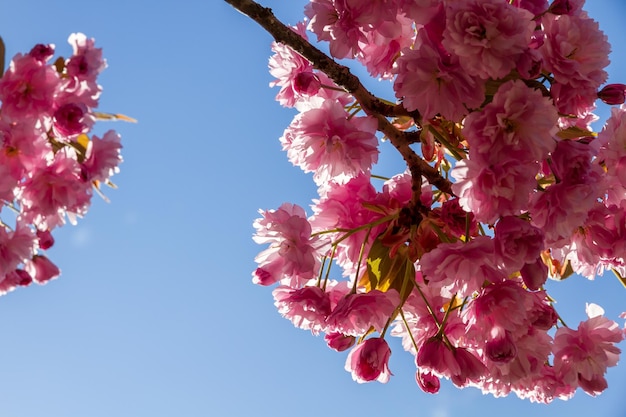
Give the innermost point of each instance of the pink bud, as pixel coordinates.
(534, 274)
(339, 341)
(307, 83)
(613, 94)
(561, 7)
(428, 382)
(42, 52)
(369, 360)
(42, 269)
(45, 239)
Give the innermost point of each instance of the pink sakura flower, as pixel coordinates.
(86, 62)
(356, 313)
(487, 35)
(42, 52)
(519, 121)
(461, 267)
(493, 191)
(570, 7)
(293, 256)
(325, 141)
(517, 243)
(306, 307)
(369, 361)
(24, 147)
(53, 191)
(335, 21)
(612, 141)
(296, 77)
(71, 119)
(582, 356)
(342, 207)
(503, 305)
(42, 269)
(16, 246)
(45, 239)
(103, 157)
(28, 88)
(433, 82)
(383, 46)
(576, 51)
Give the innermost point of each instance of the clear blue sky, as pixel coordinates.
(155, 313)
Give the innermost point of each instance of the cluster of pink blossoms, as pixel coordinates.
(49, 167)
(500, 95)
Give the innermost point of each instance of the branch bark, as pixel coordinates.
(342, 76)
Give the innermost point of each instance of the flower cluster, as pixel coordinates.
(510, 186)
(49, 166)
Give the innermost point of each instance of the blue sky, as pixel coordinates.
(155, 313)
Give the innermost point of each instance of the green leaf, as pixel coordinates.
(575, 133)
(385, 272)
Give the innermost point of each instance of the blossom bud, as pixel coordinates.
(369, 361)
(307, 83)
(471, 368)
(45, 239)
(561, 7)
(42, 269)
(428, 382)
(613, 94)
(339, 341)
(42, 52)
(534, 274)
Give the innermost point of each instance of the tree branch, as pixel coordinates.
(342, 76)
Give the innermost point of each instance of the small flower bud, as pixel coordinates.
(613, 94)
(307, 83)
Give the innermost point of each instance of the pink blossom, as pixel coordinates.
(16, 246)
(306, 307)
(433, 82)
(487, 35)
(103, 157)
(519, 121)
(342, 207)
(356, 313)
(504, 305)
(493, 191)
(421, 11)
(336, 21)
(583, 355)
(45, 239)
(72, 119)
(612, 139)
(293, 256)
(461, 267)
(53, 191)
(369, 361)
(28, 88)
(324, 141)
(517, 243)
(576, 51)
(383, 46)
(435, 357)
(471, 369)
(86, 62)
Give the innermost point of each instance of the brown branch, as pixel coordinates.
(342, 76)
